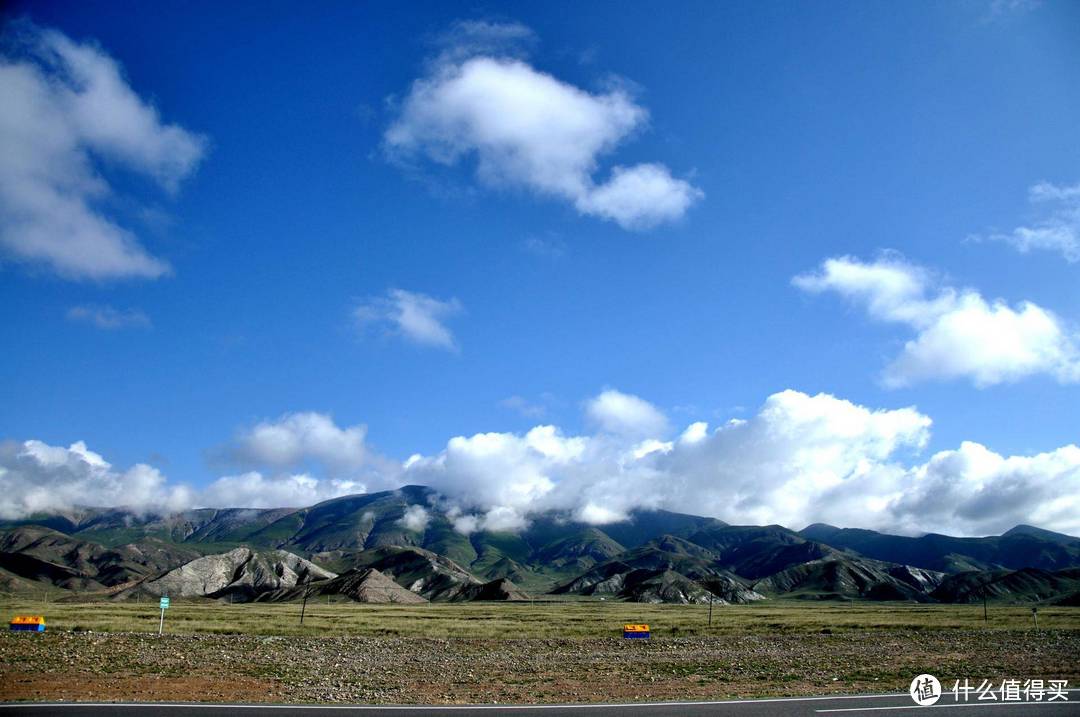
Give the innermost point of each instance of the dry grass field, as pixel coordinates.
(519, 652)
(556, 619)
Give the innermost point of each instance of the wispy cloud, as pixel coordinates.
(415, 317)
(469, 38)
(958, 333)
(106, 317)
(549, 247)
(530, 129)
(524, 407)
(67, 107)
(1001, 10)
(1056, 229)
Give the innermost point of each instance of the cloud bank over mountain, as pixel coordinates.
(35, 476)
(799, 459)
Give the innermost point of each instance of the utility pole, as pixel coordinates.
(986, 617)
(1035, 616)
(711, 596)
(303, 606)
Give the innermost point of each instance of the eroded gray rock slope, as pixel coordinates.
(241, 574)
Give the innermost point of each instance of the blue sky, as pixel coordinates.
(911, 138)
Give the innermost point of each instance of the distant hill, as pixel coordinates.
(667, 569)
(421, 571)
(652, 556)
(38, 555)
(842, 576)
(363, 585)
(1021, 547)
(757, 551)
(550, 550)
(1027, 585)
(1041, 534)
(502, 590)
(372, 586)
(578, 552)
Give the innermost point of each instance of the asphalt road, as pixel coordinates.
(852, 706)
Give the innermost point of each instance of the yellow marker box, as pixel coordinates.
(28, 623)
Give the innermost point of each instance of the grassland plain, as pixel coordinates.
(528, 653)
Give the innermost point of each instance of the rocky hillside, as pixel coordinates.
(240, 575)
(667, 569)
(421, 571)
(549, 551)
(365, 585)
(653, 555)
(497, 590)
(34, 556)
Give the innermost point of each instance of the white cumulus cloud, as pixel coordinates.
(959, 334)
(976, 491)
(67, 110)
(416, 317)
(296, 438)
(36, 477)
(527, 128)
(625, 414)
(299, 459)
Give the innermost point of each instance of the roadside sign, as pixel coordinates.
(164, 604)
(28, 623)
(635, 632)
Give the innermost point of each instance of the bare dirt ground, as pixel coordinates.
(241, 668)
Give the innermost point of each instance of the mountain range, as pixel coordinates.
(366, 547)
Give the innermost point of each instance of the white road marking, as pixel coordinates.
(621, 705)
(958, 704)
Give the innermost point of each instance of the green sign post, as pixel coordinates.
(164, 605)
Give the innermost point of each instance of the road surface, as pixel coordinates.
(846, 706)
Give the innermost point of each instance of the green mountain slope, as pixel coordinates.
(842, 576)
(1027, 585)
(1018, 548)
(407, 535)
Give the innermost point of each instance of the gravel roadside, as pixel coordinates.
(227, 668)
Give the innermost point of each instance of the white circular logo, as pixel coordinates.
(925, 690)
